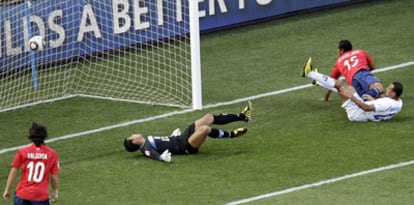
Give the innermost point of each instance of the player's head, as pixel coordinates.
(344, 45)
(133, 143)
(395, 87)
(37, 134)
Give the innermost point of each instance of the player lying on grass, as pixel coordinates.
(190, 141)
(357, 108)
(356, 66)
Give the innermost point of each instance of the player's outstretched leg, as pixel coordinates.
(219, 133)
(323, 80)
(244, 115)
(315, 82)
(247, 111)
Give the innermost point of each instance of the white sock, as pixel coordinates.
(323, 80)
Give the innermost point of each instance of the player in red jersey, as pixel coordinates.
(355, 66)
(38, 163)
(358, 109)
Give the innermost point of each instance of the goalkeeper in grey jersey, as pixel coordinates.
(188, 142)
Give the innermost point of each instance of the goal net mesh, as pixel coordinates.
(128, 50)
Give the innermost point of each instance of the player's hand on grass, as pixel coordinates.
(326, 99)
(166, 156)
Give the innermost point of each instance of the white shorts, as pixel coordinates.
(354, 112)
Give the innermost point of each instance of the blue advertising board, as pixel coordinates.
(221, 13)
(76, 28)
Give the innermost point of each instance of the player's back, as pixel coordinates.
(37, 163)
(351, 62)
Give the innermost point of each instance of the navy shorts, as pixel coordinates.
(184, 140)
(362, 79)
(20, 201)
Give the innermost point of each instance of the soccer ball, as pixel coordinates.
(37, 43)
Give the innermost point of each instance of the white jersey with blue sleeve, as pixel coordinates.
(385, 108)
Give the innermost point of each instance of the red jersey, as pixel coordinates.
(36, 164)
(349, 63)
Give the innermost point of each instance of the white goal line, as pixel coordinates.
(393, 67)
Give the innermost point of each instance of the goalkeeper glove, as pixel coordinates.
(166, 156)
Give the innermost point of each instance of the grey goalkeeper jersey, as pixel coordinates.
(154, 146)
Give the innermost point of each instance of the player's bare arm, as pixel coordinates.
(327, 95)
(349, 92)
(12, 176)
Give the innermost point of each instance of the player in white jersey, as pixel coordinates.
(379, 109)
(358, 109)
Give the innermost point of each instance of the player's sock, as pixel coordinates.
(224, 118)
(219, 133)
(323, 80)
(374, 92)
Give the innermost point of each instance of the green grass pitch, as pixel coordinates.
(294, 139)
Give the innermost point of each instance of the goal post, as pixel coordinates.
(195, 55)
(142, 51)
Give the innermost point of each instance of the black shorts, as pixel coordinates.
(184, 140)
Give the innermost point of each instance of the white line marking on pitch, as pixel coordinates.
(320, 183)
(191, 110)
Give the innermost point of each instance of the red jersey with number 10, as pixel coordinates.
(349, 63)
(36, 163)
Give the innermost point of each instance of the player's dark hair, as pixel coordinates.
(129, 146)
(345, 45)
(37, 134)
(398, 88)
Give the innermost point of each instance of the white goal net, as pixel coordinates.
(144, 51)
